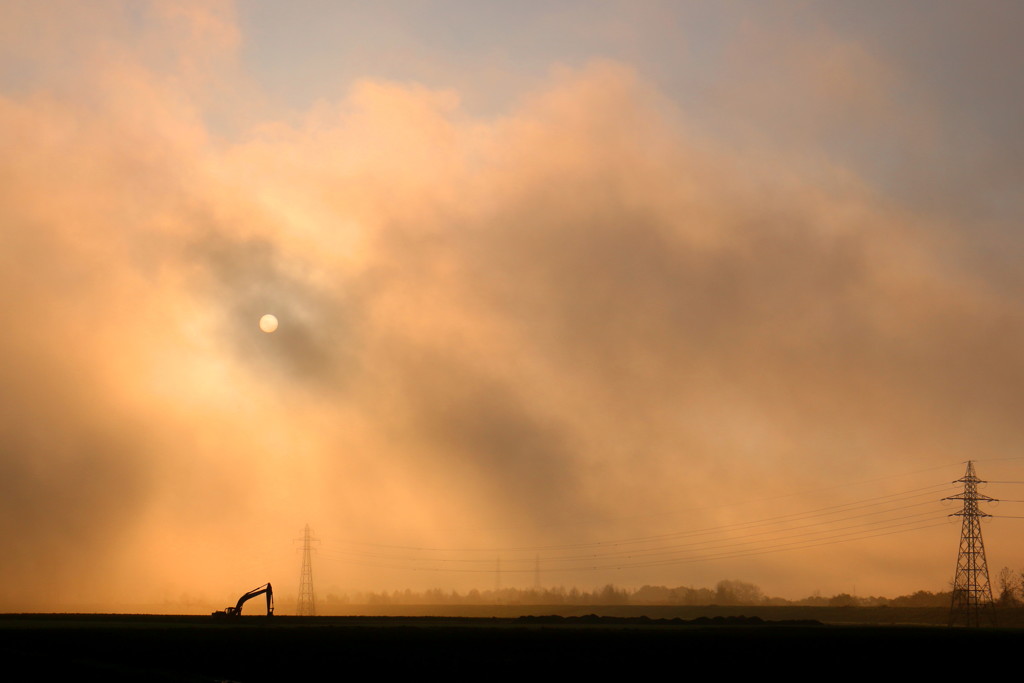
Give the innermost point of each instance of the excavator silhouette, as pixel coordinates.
(236, 611)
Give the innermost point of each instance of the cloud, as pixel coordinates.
(564, 323)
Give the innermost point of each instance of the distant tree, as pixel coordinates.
(776, 601)
(737, 592)
(378, 599)
(610, 595)
(333, 599)
(653, 595)
(815, 600)
(843, 600)
(1007, 589)
(554, 596)
(922, 599)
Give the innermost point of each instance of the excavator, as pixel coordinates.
(236, 611)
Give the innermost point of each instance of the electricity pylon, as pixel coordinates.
(307, 599)
(972, 593)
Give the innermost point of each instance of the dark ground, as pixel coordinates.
(176, 648)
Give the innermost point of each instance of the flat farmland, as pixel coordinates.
(194, 648)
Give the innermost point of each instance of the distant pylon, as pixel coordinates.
(536, 573)
(307, 599)
(972, 593)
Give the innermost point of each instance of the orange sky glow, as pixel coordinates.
(575, 306)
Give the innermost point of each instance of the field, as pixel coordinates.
(191, 648)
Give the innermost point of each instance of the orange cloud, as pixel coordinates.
(567, 323)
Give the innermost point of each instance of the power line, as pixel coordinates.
(783, 532)
(843, 538)
(735, 526)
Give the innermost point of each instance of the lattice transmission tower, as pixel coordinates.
(307, 598)
(972, 593)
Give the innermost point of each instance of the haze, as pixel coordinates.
(546, 274)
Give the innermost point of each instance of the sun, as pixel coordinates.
(268, 323)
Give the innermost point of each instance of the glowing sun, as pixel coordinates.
(268, 323)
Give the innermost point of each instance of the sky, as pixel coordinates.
(639, 293)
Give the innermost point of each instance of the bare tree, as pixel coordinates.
(1007, 588)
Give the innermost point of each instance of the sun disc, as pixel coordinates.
(268, 323)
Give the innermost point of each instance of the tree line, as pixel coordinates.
(725, 592)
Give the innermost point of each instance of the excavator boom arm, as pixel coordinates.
(266, 588)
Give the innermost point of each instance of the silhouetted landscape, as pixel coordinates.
(169, 648)
(410, 633)
(466, 338)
